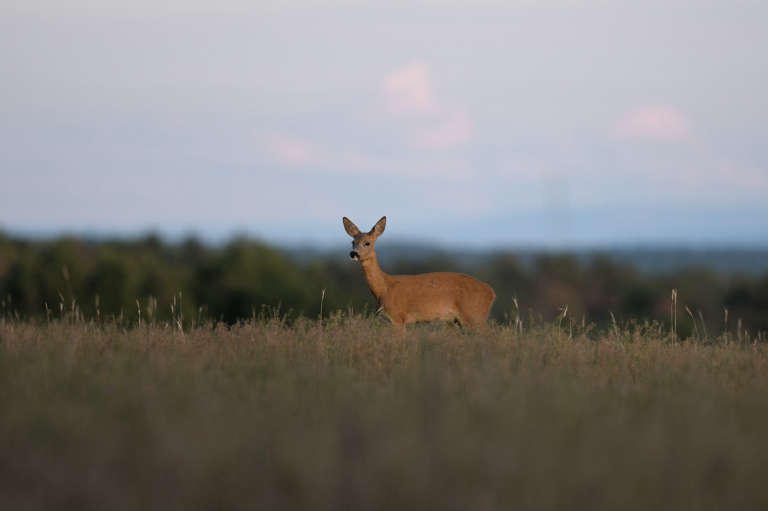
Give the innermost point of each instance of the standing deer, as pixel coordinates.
(406, 299)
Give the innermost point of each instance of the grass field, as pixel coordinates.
(345, 415)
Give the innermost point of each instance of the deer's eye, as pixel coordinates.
(367, 243)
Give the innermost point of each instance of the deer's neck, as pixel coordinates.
(377, 279)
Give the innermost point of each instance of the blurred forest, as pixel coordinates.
(195, 282)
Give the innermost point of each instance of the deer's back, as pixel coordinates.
(440, 295)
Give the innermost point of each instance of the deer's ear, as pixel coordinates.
(378, 229)
(350, 227)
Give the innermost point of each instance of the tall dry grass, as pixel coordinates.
(345, 415)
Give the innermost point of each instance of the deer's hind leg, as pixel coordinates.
(473, 318)
(398, 324)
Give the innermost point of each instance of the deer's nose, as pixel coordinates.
(354, 255)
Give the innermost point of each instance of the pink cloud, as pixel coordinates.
(654, 123)
(409, 95)
(295, 152)
(455, 129)
(291, 151)
(409, 90)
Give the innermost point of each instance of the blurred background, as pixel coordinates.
(588, 154)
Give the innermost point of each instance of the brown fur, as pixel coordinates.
(406, 299)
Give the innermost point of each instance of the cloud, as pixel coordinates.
(409, 91)
(292, 151)
(654, 123)
(300, 153)
(409, 95)
(455, 129)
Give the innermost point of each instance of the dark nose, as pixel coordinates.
(354, 255)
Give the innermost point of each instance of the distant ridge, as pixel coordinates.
(645, 259)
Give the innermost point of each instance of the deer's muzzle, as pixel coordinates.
(354, 255)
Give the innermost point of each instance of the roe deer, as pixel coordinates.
(425, 297)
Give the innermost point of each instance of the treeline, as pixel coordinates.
(192, 282)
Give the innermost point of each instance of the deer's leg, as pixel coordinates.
(399, 325)
(471, 320)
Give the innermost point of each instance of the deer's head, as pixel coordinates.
(363, 242)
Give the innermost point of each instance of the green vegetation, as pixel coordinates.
(122, 279)
(148, 375)
(342, 414)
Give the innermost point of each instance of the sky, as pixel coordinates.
(475, 123)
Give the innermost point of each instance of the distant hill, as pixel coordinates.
(645, 259)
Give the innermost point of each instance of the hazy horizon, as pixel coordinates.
(336, 241)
